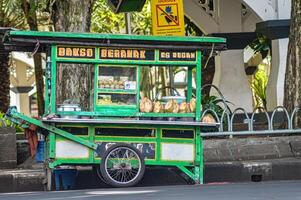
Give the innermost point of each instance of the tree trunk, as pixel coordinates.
(30, 9)
(207, 75)
(74, 81)
(292, 87)
(72, 15)
(4, 69)
(4, 82)
(37, 58)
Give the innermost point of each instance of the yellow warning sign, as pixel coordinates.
(168, 17)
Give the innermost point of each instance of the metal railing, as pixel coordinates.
(226, 121)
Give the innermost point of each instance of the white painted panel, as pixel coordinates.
(69, 149)
(177, 152)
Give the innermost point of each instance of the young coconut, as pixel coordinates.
(208, 118)
(148, 105)
(172, 106)
(183, 107)
(192, 105)
(158, 107)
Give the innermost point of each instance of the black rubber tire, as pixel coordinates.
(97, 172)
(106, 176)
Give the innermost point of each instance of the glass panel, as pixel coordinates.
(74, 83)
(125, 132)
(111, 77)
(177, 133)
(116, 99)
(75, 130)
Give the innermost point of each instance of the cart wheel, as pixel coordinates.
(122, 166)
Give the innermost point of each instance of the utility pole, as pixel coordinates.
(127, 17)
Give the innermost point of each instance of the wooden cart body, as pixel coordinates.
(82, 141)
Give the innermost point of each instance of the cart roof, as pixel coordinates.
(15, 40)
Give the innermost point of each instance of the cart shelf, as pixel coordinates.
(180, 115)
(122, 91)
(131, 121)
(192, 115)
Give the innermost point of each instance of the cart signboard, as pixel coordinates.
(168, 17)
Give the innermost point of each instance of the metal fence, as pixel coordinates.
(226, 120)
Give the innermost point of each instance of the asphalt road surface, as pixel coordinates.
(242, 191)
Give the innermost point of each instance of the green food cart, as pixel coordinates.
(96, 119)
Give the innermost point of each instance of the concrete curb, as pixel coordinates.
(246, 171)
(21, 180)
(237, 171)
(244, 149)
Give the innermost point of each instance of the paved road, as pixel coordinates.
(242, 191)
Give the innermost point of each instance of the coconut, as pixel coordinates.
(148, 105)
(183, 107)
(192, 105)
(208, 118)
(172, 106)
(158, 107)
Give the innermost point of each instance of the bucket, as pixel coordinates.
(40, 151)
(65, 179)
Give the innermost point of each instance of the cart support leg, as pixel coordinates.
(199, 169)
(187, 172)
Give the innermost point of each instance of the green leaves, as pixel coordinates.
(5, 122)
(259, 86)
(104, 20)
(261, 45)
(11, 14)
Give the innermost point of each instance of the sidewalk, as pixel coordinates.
(226, 160)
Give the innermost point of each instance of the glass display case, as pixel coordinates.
(117, 87)
(119, 78)
(72, 91)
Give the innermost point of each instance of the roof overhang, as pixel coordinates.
(28, 41)
(237, 40)
(274, 29)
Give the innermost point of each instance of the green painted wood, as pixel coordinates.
(166, 114)
(67, 161)
(158, 144)
(138, 76)
(118, 36)
(187, 172)
(119, 91)
(53, 129)
(198, 86)
(117, 111)
(52, 145)
(46, 95)
(126, 62)
(199, 156)
(189, 83)
(53, 79)
(92, 140)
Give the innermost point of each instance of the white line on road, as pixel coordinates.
(102, 193)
